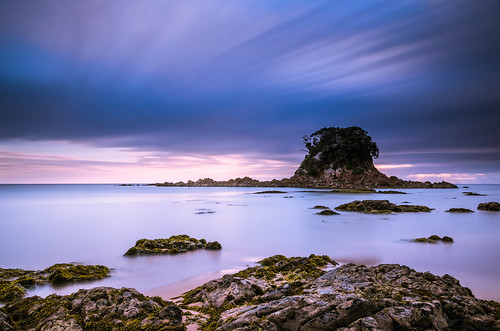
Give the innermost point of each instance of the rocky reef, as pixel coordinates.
(459, 210)
(101, 308)
(293, 294)
(381, 207)
(14, 282)
(337, 158)
(433, 239)
(489, 206)
(173, 245)
(327, 212)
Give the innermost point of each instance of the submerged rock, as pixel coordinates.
(101, 308)
(381, 207)
(350, 297)
(173, 245)
(490, 206)
(474, 194)
(327, 212)
(459, 210)
(320, 207)
(270, 192)
(14, 282)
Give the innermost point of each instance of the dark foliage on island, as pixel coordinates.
(489, 206)
(101, 308)
(14, 282)
(337, 158)
(173, 245)
(434, 239)
(294, 294)
(381, 207)
(459, 210)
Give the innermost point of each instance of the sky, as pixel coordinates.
(152, 91)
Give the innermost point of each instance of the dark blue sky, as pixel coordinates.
(245, 80)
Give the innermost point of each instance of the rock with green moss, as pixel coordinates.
(381, 207)
(101, 308)
(489, 206)
(459, 210)
(327, 212)
(173, 245)
(433, 239)
(350, 297)
(390, 192)
(354, 190)
(270, 192)
(14, 282)
(320, 207)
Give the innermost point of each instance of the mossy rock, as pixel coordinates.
(66, 273)
(489, 206)
(173, 245)
(381, 207)
(391, 192)
(459, 210)
(433, 239)
(327, 212)
(320, 207)
(10, 290)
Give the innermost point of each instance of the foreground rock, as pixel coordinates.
(14, 282)
(337, 158)
(489, 206)
(173, 245)
(381, 207)
(101, 308)
(281, 296)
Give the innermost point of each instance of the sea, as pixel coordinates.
(41, 225)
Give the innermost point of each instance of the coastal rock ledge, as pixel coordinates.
(337, 158)
(350, 297)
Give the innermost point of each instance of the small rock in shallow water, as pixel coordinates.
(489, 206)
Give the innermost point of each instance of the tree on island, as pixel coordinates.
(332, 148)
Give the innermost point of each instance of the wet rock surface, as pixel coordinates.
(173, 245)
(14, 282)
(101, 308)
(350, 297)
(459, 210)
(381, 207)
(489, 206)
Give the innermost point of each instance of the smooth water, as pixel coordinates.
(95, 224)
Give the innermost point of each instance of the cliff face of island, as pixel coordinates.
(337, 158)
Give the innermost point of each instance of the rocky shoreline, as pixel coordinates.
(278, 294)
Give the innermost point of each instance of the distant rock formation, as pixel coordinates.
(337, 158)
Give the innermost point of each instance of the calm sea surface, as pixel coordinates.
(95, 224)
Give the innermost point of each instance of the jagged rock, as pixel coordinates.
(433, 239)
(381, 207)
(101, 308)
(173, 245)
(490, 206)
(351, 297)
(327, 212)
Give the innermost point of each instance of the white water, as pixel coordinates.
(95, 224)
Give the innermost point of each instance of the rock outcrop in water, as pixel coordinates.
(337, 158)
(381, 207)
(489, 206)
(350, 297)
(173, 245)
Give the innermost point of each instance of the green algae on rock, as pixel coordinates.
(433, 239)
(173, 245)
(320, 207)
(101, 308)
(354, 190)
(270, 192)
(350, 297)
(327, 212)
(474, 194)
(381, 207)
(489, 206)
(14, 282)
(459, 210)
